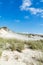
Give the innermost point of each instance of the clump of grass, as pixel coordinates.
(12, 44)
(20, 47)
(35, 44)
(39, 63)
(15, 44)
(0, 52)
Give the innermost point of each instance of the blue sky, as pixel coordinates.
(22, 15)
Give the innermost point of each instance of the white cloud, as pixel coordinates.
(41, 0)
(41, 24)
(26, 17)
(42, 16)
(17, 20)
(35, 10)
(25, 4)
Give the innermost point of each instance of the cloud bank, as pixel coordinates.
(27, 6)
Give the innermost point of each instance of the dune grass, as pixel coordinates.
(12, 44)
(15, 44)
(38, 45)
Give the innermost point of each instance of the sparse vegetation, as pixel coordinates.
(38, 45)
(0, 52)
(11, 44)
(15, 44)
(20, 47)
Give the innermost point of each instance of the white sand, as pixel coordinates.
(10, 34)
(16, 58)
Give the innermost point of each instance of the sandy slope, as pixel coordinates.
(27, 57)
(10, 34)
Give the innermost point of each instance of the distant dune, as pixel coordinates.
(6, 33)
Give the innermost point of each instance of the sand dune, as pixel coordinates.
(9, 34)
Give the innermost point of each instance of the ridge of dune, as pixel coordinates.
(6, 33)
